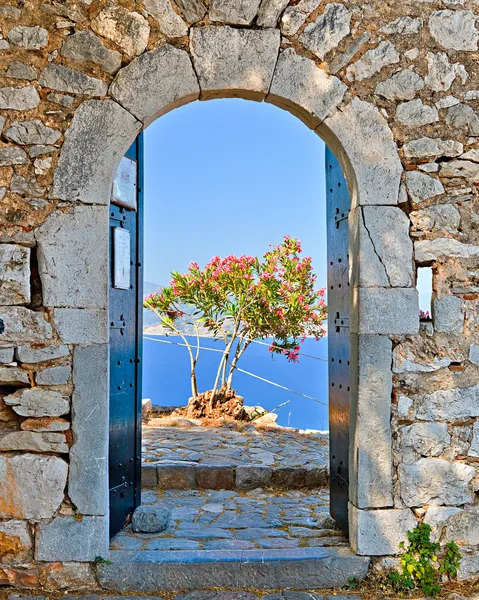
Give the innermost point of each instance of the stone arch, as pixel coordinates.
(74, 260)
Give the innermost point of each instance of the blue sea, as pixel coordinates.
(166, 378)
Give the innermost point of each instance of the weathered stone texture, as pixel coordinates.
(23, 98)
(81, 326)
(399, 314)
(85, 46)
(53, 375)
(170, 23)
(193, 10)
(373, 61)
(234, 12)
(32, 132)
(423, 439)
(36, 354)
(454, 29)
(64, 79)
(415, 113)
(401, 86)
(324, 34)
(270, 11)
(19, 324)
(449, 405)
(129, 30)
(14, 274)
(68, 539)
(448, 313)
(31, 38)
(150, 519)
(38, 402)
(33, 441)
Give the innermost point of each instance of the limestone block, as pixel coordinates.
(68, 539)
(90, 155)
(456, 404)
(250, 477)
(295, 16)
(233, 12)
(303, 89)
(129, 30)
(193, 10)
(11, 155)
(436, 482)
(14, 274)
(25, 186)
(373, 61)
(462, 116)
(444, 217)
(38, 402)
(45, 424)
(15, 542)
(415, 114)
(371, 446)
(53, 375)
(325, 33)
(469, 567)
(423, 439)
(415, 355)
(390, 311)
(36, 354)
(73, 257)
(81, 326)
(401, 86)
(150, 519)
(174, 476)
(379, 532)
(85, 46)
(148, 476)
(471, 155)
(33, 441)
(463, 527)
(31, 485)
(31, 38)
(69, 576)
(342, 59)
(88, 480)
(6, 353)
(432, 147)
(19, 70)
(287, 478)
(155, 83)
(474, 354)
(270, 11)
(13, 376)
(454, 29)
(213, 477)
(24, 98)
(170, 24)
(234, 62)
(437, 517)
(430, 250)
(474, 449)
(422, 187)
(383, 249)
(373, 170)
(19, 324)
(402, 25)
(32, 132)
(460, 168)
(441, 73)
(6, 413)
(448, 314)
(64, 79)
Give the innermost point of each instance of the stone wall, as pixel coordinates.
(393, 88)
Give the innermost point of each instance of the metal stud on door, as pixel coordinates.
(338, 205)
(125, 312)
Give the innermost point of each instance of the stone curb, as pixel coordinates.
(188, 476)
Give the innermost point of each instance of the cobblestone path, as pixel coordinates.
(214, 520)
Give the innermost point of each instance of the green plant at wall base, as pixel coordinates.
(423, 564)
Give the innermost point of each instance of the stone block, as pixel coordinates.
(36, 354)
(85, 46)
(175, 476)
(451, 524)
(436, 482)
(426, 147)
(456, 404)
(33, 441)
(45, 424)
(15, 542)
(443, 217)
(213, 477)
(373, 61)
(69, 576)
(423, 439)
(32, 132)
(32, 486)
(168, 71)
(401, 86)
(373, 170)
(474, 449)
(234, 63)
(303, 89)
(422, 187)
(250, 477)
(53, 375)
(371, 439)
(73, 258)
(19, 324)
(6, 353)
(448, 314)
(454, 29)
(23, 98)
(13, 376)
(11, 155)
(64, 79)
(436, 517)
(463, 117)
(316, 477)
(193, 10)
(19, 70)
(67, 539)
(233, 12)
(38, 402)
(169, 23)
(426, 251)
(128, 29)
(30, 38)
(90, 155)
(81, 326)
(270, 11)
(288, 478)
(295, 16)
(389, 311)
(148, 476)
(416, 114)
(469, 567)
(88, 479)
(379, 532)
(150, 519)
(326, 32)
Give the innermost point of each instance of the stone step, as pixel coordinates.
(189, 476)
(300, 568)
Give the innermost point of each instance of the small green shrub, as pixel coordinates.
(423, 564)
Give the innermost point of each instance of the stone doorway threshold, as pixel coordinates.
(260, 539)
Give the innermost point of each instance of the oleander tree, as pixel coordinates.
(240, 299)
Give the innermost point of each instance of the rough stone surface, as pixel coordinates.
(449, 405)
(129, 30)
(45, 424)
(214, 477)
(432, 147)
(32, 132)
(454, 29)
(53, 375)
(474, 449)
(250, 477)
(424, 439)
(78, 278)
(428, 250)
(324, 34)
(34, 354)
(15, 542)
(150, 519)
(31, 38)
(270, 11)
(81, 326)
(402, 25)
(414, 113)
(441, 73)
(68, 539)
(233, 12)
(399, 315)
(24, 98)
(171, 24)
(373, 61)
(13, 376)
(460, 168)
(401, 86)
(180, 476)
(64, 79)
(85, 46)
(303, 89)
(33, 441)
(6, 354)
(32, 486)
(448, 314)
(462, 116)
(193, 10)
(166, 69)
(14, 274)
(443, 217)
(18, 70)
(19, 324)
(435, 482)
(37, 402)
(10, 155)
(234, 62)
(422, 187)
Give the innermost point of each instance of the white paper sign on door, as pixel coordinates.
(123, 191)
(121, 258)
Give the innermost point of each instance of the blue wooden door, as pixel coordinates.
(339, 291)
(125, 313)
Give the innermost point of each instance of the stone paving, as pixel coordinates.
(230, 520)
